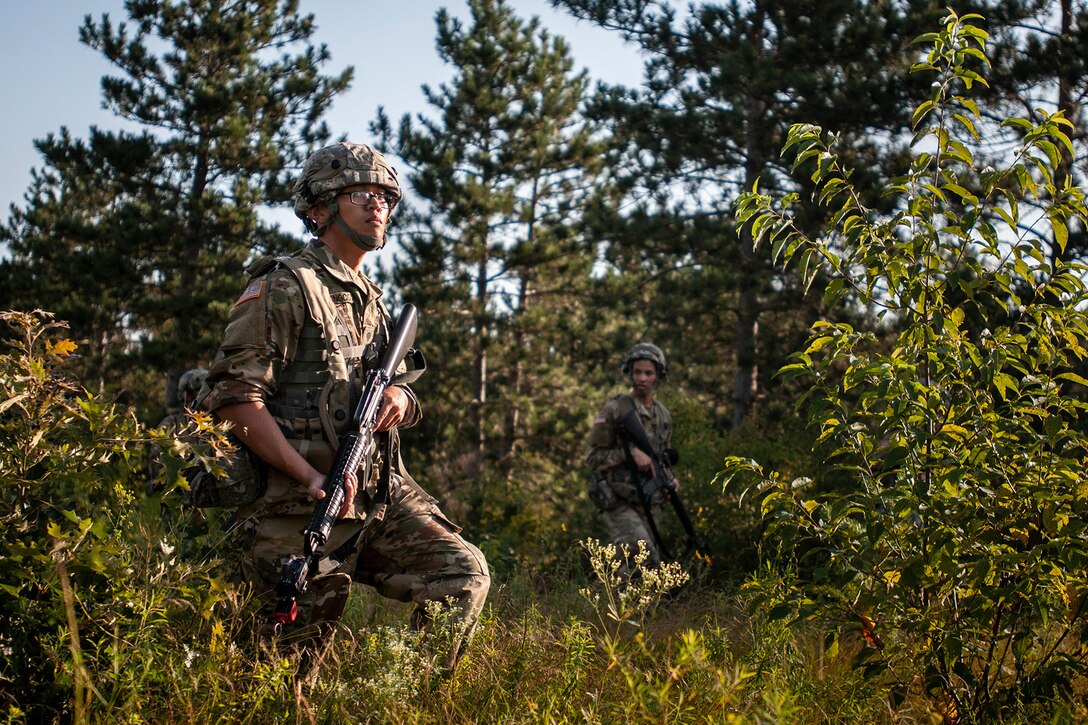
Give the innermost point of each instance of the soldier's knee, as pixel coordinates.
(468, 592)
(479, 580)
(478, 566)
(470, 577)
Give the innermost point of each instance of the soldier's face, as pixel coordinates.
(370, 219)
(643, 376)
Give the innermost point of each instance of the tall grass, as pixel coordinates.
(586, 647)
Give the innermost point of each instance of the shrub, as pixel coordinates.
(960, 559)
(93, 591)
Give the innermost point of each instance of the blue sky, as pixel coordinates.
(51, 80)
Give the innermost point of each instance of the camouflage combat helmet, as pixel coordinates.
(337, 166)
(646, 351)
(190, 382)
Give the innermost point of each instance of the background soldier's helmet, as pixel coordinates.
(190, 382)
(646, 351)
(334, 167)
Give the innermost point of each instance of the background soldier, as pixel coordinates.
(612, 488)
(288, 375)
(189, 385)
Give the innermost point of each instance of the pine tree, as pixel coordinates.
(230, 98)
(722, 85)
(79, 245)
(493, 260)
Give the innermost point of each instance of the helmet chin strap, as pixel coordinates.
(364, 242)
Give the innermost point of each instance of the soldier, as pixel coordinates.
(189, 385)
(288, 375)
(612, 487)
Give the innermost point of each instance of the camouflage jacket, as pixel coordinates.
(275, 350)
(605, 456)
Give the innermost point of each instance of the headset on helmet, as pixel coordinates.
(335, 167)
(646, 351)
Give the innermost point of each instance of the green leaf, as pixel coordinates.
(1073, 377)
(962, 193)
(1060, 229)
(1004, 382)
(921, 111)
(819, 344)
(779, 611)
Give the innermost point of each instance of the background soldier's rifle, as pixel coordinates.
(358, 441)
(633, 433)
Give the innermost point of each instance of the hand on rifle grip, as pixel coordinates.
(393, 409)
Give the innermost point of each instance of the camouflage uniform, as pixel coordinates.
(275, 351)
(611, 488)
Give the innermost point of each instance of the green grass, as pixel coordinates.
(573, 645)
(543, 653)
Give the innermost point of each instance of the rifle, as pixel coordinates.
(633, 432)
(358, 441)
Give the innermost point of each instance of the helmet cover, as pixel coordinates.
(190, 382)
(646, 351)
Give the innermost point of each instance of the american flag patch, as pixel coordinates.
(253, 291)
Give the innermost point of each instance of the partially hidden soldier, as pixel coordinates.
(189, 385)
(612, 486)
(288, 374)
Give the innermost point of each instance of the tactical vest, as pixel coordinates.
(620, 477)
(320, 387)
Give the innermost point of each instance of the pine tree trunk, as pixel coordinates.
(746, 377)
(190, 259)
(479, 372)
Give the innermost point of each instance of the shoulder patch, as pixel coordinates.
(253, 291)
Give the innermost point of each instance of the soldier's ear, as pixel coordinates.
(319, 213)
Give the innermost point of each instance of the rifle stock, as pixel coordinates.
(354, 445)
(636, 433)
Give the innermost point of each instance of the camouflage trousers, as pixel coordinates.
(414, 554)
(627, 526)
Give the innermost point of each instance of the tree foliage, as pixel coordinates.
(156, 226)
(723, 83)
(88, 590)
(1039, 56)
(494, 261)
(961, 553)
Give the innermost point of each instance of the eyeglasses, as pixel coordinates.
(363, 198)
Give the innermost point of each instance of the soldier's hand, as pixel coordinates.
(317, 491)
(393, 409)
(641, 459)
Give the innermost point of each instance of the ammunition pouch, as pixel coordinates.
(610, 491)
(601, 494)
(234, 478)
(653, 490)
